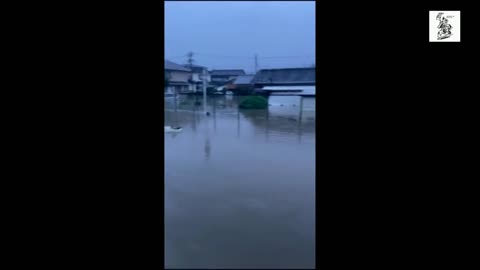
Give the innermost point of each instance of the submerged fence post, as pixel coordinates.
(175, 107)
(204, 91)
(300, 115)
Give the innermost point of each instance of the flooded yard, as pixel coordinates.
(240, 184)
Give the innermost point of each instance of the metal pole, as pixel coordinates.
(238, 122)
(300, 116)
(175, 108)
(267, 124)
(204, 91)
(215, 113)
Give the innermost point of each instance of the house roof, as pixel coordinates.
(244, 79)
(285, 75)
(223, 83)
(227, 72)
(169, 65)
(195, 68)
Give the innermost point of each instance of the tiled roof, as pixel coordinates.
(244, 79)
(169, 65)
(285, 75)
(195, 68)
(227, 72)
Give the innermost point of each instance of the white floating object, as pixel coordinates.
(173, 129)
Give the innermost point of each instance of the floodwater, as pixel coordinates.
(240, 184)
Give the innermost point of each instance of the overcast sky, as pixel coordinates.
(229, 34)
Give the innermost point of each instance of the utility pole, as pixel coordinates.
(204, 77)
(190, 59)
(190, 64)
(256, 63)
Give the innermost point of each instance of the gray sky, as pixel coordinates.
(229, 34)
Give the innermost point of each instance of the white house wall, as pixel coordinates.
(177, 76)
(196, 77)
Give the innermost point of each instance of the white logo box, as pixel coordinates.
(444, 26)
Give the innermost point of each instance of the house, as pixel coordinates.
(242, 85)
(286, 81)
(243, 81)
(196, 79)
(178, 78)
(223, 76)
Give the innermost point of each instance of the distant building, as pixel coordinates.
(242, 85)
(286, 81)
(223, 76)
(244, 80)
(196, 79)
(178, 78)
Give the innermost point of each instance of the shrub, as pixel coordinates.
(254, 102)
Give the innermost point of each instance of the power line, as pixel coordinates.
(225, 56)
(263, 57)
(267, 61)
(272, 57)
(175, 57)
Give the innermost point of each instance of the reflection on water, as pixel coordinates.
(283, 118)
(240, 184)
